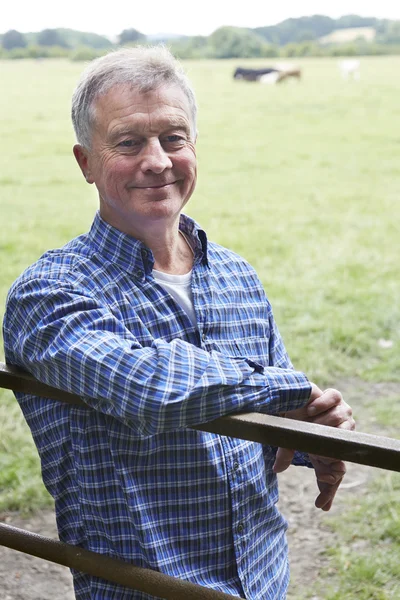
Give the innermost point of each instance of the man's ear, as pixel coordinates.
(82, 158)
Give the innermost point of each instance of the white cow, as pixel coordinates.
(269, 77)
(350, 68)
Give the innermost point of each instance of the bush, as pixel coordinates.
(58, 52)
(84, 53)
(344, 50)
(269, 51)
(13, 39)
(290, 50)
(235, 42)
(16, 53)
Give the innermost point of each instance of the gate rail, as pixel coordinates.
(351, 446)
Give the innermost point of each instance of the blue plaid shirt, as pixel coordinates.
(130, 478)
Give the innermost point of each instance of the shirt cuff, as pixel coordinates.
(301, 459)
(290, 389)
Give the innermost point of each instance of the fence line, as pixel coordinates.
(137, 578)
(352, 446)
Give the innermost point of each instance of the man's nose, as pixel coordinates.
(154, 157)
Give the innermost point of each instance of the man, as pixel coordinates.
(158, 329)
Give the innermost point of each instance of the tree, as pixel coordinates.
(130, 36)
(51, 37)
(304, 36)
(351, 21)
(235, 42)
(269, 51)
(189, 47)
(13, 39)
(78, 39)
(297, 30)
(392, 33)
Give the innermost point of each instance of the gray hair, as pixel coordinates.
(143, 68)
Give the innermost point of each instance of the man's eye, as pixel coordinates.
(174, 139)
(126, 143)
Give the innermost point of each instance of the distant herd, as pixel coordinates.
(268, 75)
(350, 69)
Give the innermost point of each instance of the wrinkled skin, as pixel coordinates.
(142, 160)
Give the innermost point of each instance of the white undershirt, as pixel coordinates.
(178, 286)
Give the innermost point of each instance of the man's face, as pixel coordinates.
(142, 158)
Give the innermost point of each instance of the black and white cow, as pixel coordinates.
(268, 75)
(252, 74)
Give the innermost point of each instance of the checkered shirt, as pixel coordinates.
(129, 476)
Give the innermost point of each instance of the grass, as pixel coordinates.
(21, 487)
(366, 565)
(301, 179)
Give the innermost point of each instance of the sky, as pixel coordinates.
(185, 17)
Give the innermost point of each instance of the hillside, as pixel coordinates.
(312, 28)
(311, 35)
(342, 36)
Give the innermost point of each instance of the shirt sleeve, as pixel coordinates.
(68, 339)
(279, 357)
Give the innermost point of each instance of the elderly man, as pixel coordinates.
(158, 329)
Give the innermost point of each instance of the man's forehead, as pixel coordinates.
(120, 96)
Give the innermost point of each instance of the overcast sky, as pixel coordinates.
(175, 16)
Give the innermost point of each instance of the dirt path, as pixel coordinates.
(23, 577)
(308, 534)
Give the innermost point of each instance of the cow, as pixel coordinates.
(252, 74)
(289, 71)
(350, 68)
(274, 74)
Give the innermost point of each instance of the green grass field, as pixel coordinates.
(302, 179)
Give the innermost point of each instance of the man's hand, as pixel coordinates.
(326, 408)
(329, 473)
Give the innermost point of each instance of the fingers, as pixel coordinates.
(326, 496)
(330, 409)
(317, 403)
(338, 416)
(327, 400)
(325, 408)
(315, 392)
(283, 460)
(328, 470)
(350, 424)
(327, 493)
(329, 473)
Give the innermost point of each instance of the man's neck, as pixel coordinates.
(172, 252)
(175, 257)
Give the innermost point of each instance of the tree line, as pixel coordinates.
(290, 38)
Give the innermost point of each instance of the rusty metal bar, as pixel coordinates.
(136, 578)
(14, 378)
(351, 446)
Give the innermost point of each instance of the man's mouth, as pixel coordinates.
(157, 186)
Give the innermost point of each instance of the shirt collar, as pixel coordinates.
(131, 254)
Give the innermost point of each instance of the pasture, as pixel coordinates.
(301, 178)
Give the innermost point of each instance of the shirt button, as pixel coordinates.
(204, 337)
(240, 528)
(236, 465)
